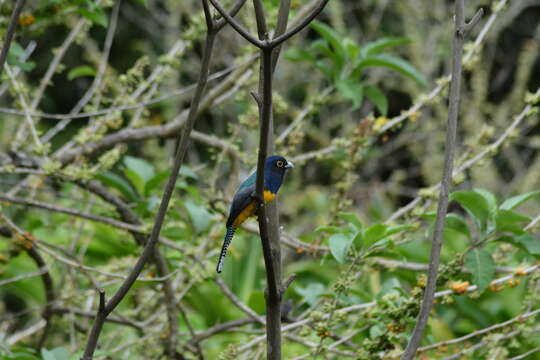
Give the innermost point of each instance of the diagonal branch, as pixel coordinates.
(10, 32)
(46, 278)
(299, 27)
(169, 188)
(236, 25)
(451, 133)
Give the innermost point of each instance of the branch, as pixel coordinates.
(239, 28)
(281, 27)
(260, 17)
(519, 318)
(169, 129)
(169, 188)
(451, 133)
(161, 264)
(496, 338)
(222, 22)
(282, 38)
(367, 305)
(10, 32)
(45, 277)
(270, 251)
(203, 335)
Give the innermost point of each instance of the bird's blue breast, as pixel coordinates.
(272, 181)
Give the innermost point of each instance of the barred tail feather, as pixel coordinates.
(226, 242)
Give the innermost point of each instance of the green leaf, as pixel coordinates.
(96, 15)
(144, 169)
(351, 218)
(55, 354)
(453, 225)
(339, 246)
(333, 38)
(352, 90)
(482, 267)
(156, 181)
(199, 216)
(328, 229)
(83, 70)
(375, 233)
(352, 49)
(391, 230)
(16, 57)
(310, 293)
(143, 3)
(392, 63)
(506, 220)
(490, 198)
(111, 179)
(329, 72)
(457, 223)
(474, 203)
(525, 241)
(379, 45)
(515, 201)
(377, 97)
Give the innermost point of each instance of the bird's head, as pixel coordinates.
(277, 164)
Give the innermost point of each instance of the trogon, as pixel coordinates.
(244, 204)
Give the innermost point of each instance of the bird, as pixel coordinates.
(244, 203)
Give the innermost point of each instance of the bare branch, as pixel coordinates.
(281, 27)
(260, 17)
(305, 22)
(239, 28)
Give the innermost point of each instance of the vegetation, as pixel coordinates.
(94, 98)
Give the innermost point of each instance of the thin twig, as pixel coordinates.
(40, 272)
(525, 354)
(473, 334)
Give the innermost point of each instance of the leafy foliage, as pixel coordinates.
(344, 63)
(356, 219)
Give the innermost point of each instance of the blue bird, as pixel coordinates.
(244, 204)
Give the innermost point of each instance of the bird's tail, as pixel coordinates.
(226, 242)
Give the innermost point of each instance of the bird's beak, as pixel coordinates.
(289, 165)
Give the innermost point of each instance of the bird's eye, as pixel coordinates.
(279, 163)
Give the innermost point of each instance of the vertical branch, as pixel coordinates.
(461, 29)
(10, 32)
(281, 27)
(268, 218)
(260, 17)
(271, 249)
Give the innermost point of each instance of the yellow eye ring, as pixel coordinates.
(279, 163)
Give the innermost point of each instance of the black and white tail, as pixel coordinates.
(226, 242)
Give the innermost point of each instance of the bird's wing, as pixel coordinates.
(242, 198)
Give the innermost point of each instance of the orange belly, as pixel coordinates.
(251, 209)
